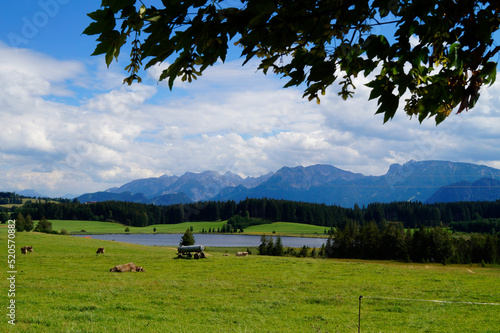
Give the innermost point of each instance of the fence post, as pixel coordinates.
(359, 315)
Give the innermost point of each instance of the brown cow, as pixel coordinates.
(26, 249)
(130, 267)
(100, 250)
(241, 254)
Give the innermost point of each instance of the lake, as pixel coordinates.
(207, 240)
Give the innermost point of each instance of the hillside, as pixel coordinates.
(484, 189)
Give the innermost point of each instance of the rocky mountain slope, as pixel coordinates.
(317, 183)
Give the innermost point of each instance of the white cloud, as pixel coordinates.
(231, 119)
(27, 73)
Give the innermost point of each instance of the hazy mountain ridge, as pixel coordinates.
(484, 189)
(165, 199)
(317, 183)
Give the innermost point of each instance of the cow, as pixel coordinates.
(241, 254)
(26, 249)
(130, 267)
(100, 250)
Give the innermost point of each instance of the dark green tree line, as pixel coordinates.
(482, 217)
(426, 244)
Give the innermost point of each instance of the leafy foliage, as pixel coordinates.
(44, 226)
(238, 222)
(436, 57)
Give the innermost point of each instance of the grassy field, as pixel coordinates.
(64, 287)
(93, 227)
(287, 228)
(25, 200)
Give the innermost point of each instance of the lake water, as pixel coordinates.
(207, 240)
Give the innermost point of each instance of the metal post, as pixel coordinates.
(359, 318)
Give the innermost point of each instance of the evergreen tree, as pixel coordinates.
(490, 250)
(270, 246)
(440, 244)
(303, 251)
(187, 238)
(28, 223)
(369, 241)
(447, 215)
(20, 222)
(263, 245)
(420, 245)
(278, 247)
(393, 245)
(322, 251)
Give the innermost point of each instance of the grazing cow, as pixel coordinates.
(26, 249)
(241, 254)
(130, 267)
(100, 250)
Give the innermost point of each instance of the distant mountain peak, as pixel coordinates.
(31, 193)
(320, 183)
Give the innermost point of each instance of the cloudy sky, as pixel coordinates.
(69, 126)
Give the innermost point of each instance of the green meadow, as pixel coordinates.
(25, 200)
(288, 228)
(65, 287)
(93, 227)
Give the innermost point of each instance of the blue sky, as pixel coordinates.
(68, 125)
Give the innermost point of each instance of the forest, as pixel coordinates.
(393, 242)
(410, 231)
(482, 217)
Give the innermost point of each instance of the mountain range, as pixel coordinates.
(425, 181)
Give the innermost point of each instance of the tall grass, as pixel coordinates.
(65, 287)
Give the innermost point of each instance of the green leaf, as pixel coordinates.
(388, 106)
(117, 5)
(489, 72)
(453, 53)
(100, 14)
(440, 118)
(94, 28)
(377, 89)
